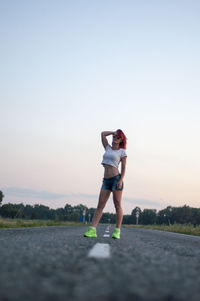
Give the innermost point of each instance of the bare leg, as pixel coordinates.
(103, 197)
(117, 197)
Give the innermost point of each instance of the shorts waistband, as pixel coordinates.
(112, 177)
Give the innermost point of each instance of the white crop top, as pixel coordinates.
(113, 157)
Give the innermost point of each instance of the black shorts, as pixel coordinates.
(111, 183)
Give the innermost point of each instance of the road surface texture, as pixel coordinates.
(52, 263)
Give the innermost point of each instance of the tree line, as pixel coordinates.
(169, 215)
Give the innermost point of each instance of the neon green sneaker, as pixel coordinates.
(90, 232)
(116, 233)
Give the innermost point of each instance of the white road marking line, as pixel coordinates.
(106, 235)
(107, 231)
(100, 250)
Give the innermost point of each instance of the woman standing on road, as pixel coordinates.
(112, 181)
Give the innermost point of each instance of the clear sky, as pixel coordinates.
(71, 69)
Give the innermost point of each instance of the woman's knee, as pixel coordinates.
(118, 206)
(103, 198)
(100, 207)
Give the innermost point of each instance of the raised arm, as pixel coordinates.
(104, 139)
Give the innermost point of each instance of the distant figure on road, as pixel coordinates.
(112, 181)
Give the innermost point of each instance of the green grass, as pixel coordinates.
(177, 228)
(21, 223)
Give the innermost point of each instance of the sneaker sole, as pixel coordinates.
(90, 236)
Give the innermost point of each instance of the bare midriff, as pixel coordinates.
(110, 171)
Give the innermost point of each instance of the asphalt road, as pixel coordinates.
(52, 263)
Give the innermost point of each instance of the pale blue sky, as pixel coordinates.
(70, 69)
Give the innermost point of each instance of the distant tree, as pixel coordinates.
(128, 219)
(78, 212)
(80, 208)
(183, 214)
(59, 214)
(148, 216)
(68, 209)
(29, 212)
(1, 197)
(166, 216)
(41, 212)
(89, 214)
(133, 213)
(8, 210)
(108, 217)
(195, 216)
(19, 210)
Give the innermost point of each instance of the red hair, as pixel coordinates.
(123, 137)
